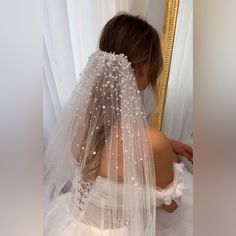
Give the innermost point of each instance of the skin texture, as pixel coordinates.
(164, 157)
(182, 149)
(141, 74)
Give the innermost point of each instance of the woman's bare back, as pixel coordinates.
(162, 154)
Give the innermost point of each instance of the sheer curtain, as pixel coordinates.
(71, 32)
(177, 121)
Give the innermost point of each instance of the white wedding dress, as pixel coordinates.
(60, 220)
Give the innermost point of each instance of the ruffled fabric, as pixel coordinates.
(61, 222)
(174, 190)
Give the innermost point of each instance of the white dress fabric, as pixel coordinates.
(179, 222)
(60, 220)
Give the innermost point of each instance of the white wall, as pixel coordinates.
(155, 14)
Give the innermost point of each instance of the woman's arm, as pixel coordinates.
(182, 149)
(164, 158)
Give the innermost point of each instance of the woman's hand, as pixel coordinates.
(182, 149)
(170, 208)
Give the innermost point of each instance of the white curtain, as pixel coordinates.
(177, 122)
(71, 32)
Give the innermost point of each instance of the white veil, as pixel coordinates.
(101, 153)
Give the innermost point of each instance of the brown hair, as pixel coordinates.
(135, 38)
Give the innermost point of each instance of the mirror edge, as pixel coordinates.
(169, 27)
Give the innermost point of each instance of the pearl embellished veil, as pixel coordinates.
(100, 151)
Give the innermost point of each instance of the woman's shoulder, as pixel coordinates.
(158, 140)
(163, 157)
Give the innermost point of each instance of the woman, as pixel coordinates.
(106, 170)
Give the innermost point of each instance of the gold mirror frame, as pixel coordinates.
(168, 34)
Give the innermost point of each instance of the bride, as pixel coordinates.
(106, 171)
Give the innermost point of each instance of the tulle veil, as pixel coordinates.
(104, 120)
